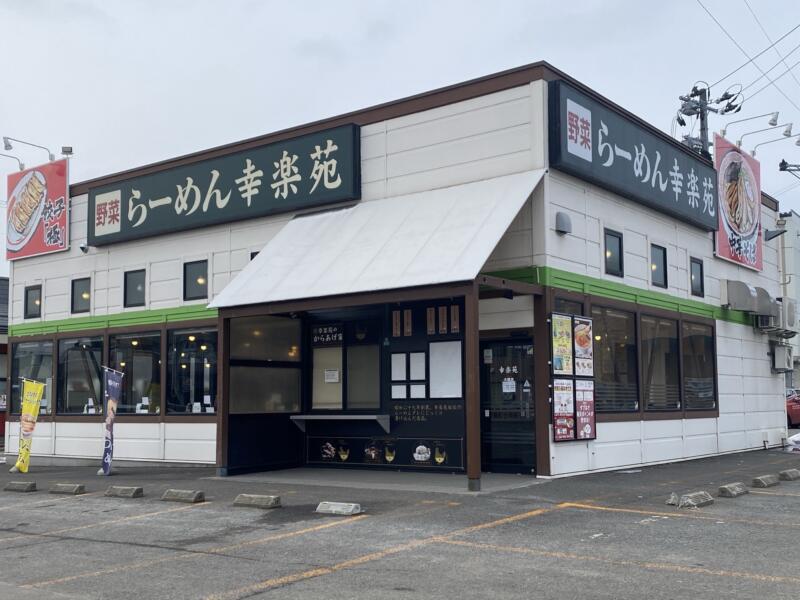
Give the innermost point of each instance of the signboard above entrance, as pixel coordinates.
(590, 141)
(311, 170)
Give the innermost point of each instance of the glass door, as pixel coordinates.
(507, 409)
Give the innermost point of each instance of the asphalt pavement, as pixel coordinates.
(604, 535)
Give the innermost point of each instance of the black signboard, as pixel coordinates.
(590, 141)
(327, 335)
(387, 451)
(311, 170)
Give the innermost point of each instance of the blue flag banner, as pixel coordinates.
(113, 389)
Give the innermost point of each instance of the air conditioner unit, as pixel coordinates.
(782, 358)
(789, 325)
(765, 323)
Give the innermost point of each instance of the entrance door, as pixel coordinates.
(507, 419)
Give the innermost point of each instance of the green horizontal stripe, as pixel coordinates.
(573, 282)
(139, 317)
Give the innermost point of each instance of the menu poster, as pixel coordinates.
(563, 410)
(584, 415)
(584, 351)
(561, 334)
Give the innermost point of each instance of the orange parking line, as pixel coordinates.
(49, 501)
(657, 566)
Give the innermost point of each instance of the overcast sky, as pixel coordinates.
(136, 81)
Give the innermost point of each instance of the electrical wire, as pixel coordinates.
(772, 82)
(739, 68)
(764, 31)
(743, 51)
(788, 188)
(782, 60)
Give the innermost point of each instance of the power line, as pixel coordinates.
(764, 31)
(772, 82)
(739, 68)
(782, 60)
(743, 51)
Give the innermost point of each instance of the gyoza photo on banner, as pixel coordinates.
(32, 392)
(112, 381)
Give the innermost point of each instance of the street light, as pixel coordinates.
(7, 145)
(780, 139)
(773, 120)
(786, 132)
(21, 164)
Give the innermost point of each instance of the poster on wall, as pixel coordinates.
(584, 347)
(561, 335)
(739, 237)
(563, 410)
(584, 410)
(37, 211)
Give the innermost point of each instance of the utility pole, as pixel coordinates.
(696, 103)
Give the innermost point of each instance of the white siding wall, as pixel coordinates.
(752, 405)
(485, 137)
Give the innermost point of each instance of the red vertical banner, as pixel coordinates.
(38, 211)
(739, 238)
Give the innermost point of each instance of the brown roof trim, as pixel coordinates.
(769, 201)
(389, 110)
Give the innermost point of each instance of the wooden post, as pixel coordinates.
(472, 400)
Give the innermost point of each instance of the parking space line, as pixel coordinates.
(220, 550)
(678, 515)
(773, 493)
(99, 523)
(656, 566)
(275, 582)
(47, 502)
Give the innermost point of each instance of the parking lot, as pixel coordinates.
(605, 535)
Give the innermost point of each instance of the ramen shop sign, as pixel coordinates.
(739, 237)
(302, 172)
(37, 213)
(594, 142)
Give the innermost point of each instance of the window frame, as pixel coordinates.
(72, 296)
(187, 331)
(697, 261)
(615, 234)
(679, 329)
(664, 266)
(591, 300)
(186, 266)
(60, 380)
(27, 314)
(125, 275)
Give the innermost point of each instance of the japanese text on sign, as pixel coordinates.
(300, 172)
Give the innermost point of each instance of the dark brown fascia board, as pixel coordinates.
(459, 92)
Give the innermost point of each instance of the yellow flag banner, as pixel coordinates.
(32, 392)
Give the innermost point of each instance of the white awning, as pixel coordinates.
(439, 236)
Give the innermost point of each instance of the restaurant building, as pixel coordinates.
(509, 274)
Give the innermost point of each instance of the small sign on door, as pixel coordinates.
(509, 386)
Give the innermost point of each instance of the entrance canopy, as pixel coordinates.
(428, 238)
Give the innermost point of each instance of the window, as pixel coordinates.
(33, 302)
(658, 265)
(699, 390)
(660, 364)
(615, 370)
(326, 388)
(195, 280)
(614, 263)
(265, 367)
(81, 295)
(364, 377)
(134, 288)
(31, 360)
(696, 277)
(80, 376)
(138, 356)
(570, 307)
(192, 371)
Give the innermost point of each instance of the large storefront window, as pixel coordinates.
(265, 367)
(698, 367)
(192, 371)
(138, 356)
(32, 360)
(660, 364)
(80, 376)
(615, 360)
